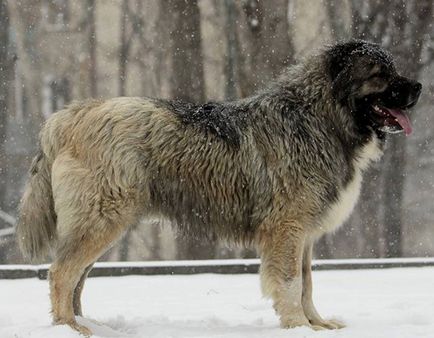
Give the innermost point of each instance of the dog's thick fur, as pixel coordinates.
(276, 170)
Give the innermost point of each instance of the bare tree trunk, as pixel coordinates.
(91, 44)
(336, 19)
(156, 241)
(370, 19)
(265, 45)
(124, 48)
(26, 21)
(394, 184)
(232, 50)
(186, 83)
(5, 72)
(323, 247)
(124, 248)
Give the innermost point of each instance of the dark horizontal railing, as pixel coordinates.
(227, 266)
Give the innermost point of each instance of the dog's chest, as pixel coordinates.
(339, 211)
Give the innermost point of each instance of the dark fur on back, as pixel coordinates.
(224, 120)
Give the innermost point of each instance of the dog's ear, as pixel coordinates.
(339, 68)
(342, 83)
(339, 56)
(340, 73)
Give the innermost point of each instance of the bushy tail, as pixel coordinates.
(36, 226)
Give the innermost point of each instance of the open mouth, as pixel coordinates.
(394, 119)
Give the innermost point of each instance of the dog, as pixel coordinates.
(276, 170)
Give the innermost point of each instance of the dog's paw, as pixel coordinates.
(294, 321)
(293, 324)
(81, 329)
(331, 324)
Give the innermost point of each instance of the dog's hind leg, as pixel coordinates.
(281, 277)
(63, 276)
(307, 301)
(76, 301)
(87, 223)
(73, 258)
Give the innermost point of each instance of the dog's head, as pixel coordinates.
(364, 79)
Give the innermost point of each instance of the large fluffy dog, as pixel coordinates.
(277, 170)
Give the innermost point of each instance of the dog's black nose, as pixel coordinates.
(414, 90)
(417, 88)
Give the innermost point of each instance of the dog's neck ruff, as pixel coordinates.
(340, 210)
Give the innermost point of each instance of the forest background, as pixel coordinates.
(56, 51)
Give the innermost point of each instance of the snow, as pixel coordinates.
(373, 303)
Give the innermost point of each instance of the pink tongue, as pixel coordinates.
(402, 119)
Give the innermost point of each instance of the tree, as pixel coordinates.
(182, 19)
(232, 45)
(5, 64)
(187, 78)
(91, 46)
(26, 22)
(336, 19)
(265, 44)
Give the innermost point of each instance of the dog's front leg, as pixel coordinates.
(281, 271)
(307, 301)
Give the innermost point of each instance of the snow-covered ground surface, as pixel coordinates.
(388, 303)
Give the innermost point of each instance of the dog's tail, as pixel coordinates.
(36, 226)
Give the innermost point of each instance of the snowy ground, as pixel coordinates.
(373, 303)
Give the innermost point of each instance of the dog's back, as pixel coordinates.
(138, 155)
